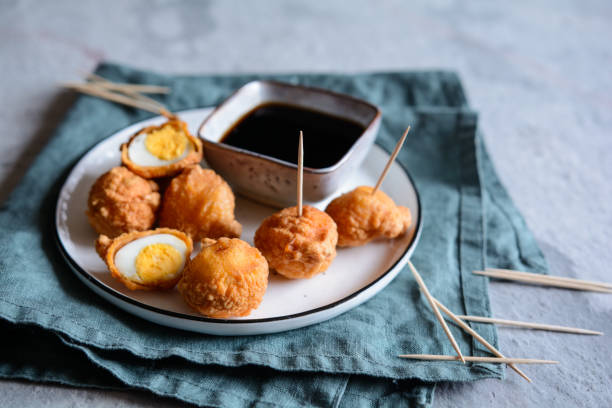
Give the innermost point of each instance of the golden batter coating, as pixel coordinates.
(120, 201)
(228, 278)
(200, 203)
(362, 217)
(193, 157)
(298, 247)
(107, 249)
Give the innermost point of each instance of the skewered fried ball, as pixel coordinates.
(228, 278)
(200, 203)
(362, 217)
(146, 260)
(161, 151)
(298, 247)
(120, 201)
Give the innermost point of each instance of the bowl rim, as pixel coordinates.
(286, 164)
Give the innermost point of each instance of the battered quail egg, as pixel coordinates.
(148, 259)
(298, 246)
(362, 216)
(228, 278)
(120, 201)
(160, 151)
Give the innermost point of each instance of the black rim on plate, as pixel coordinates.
(84, 274)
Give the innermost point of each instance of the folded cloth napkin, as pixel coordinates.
(60, 331)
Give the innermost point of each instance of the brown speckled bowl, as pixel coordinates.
(270, 180)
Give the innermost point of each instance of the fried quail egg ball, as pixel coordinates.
(159, 147)
(228, 278)
(159, 151)
(200, 203)
(298, 246)
(148, 259)
(120, 201)
(362, 217)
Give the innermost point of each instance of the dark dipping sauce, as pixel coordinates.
(273, 130)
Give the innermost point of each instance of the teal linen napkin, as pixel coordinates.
(469, 222)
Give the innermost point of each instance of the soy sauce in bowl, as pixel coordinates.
(251, 140)
(272, 130)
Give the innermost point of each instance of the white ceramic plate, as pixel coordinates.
(354, 276)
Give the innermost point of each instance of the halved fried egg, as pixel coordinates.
(148, 259)
(159, 147)
(159, 151)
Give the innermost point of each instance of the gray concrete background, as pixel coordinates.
(537, 71)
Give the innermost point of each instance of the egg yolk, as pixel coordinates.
(156, 261)
(166, 143)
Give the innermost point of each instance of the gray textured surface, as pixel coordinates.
(538, 72)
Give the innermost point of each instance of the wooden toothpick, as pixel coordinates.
(478, 359)
(543, 281)
(529, 325)
(141, 88)
(398, 146)
(92, 89)
(300, 175)
(131, 90)
(551, 278)
(433, 305)
(478, 337)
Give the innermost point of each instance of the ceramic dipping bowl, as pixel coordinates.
(270, 180)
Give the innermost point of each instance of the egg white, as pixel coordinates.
(138, 153)
(125, 258)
